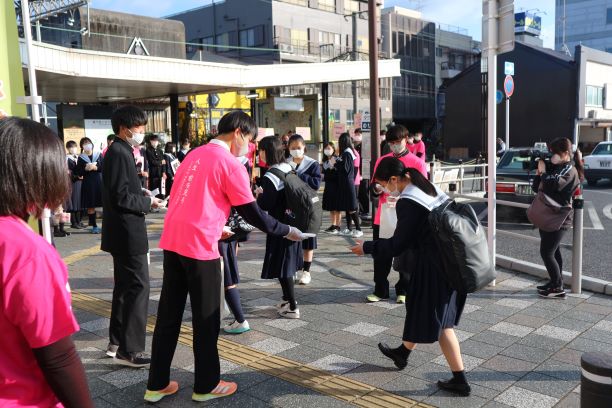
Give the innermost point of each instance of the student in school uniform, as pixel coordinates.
(397, 141)
(73, 203)
(89, 166)
(309, 171)
(416, 145)
(433, 308)
(283, 258)
(155, 158)
(170, 158)
(208, 183)
(347, 194)
(330, 193)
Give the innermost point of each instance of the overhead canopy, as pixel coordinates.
(74, 75)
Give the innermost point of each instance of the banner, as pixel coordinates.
(11, 77)
(304, 132)
(338, 129)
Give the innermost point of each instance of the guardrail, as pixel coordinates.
(453, 184)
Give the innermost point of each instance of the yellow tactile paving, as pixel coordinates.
(79, 256)
(337, 386)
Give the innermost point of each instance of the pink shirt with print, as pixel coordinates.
(35, 312)
(409, 160)
(207, 184)
(358, 166)
(418, 147)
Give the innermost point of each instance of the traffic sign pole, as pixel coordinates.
(507, 123)
(508, 90)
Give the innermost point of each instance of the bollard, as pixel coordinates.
(432, 168)
(596, 380)
(461, 174)
(577, 244)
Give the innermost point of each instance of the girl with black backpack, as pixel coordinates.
(433, 308)
(283, 258)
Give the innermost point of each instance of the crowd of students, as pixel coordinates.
(214, 198)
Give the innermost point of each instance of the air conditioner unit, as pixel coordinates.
(288, 48)
(592, 114)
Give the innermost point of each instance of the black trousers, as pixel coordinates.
(551, 255)
(363, 197)
(130, 302)
(202, 280)
(382, 268)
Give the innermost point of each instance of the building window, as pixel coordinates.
(298, 2)
(609, 16)
(252, 37)
(594, 96)
(222, 42)
(327, 5)
(335, 114)
(438, 52)
(351, 6)
(349, 117)
(208, 41)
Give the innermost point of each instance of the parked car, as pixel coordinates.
(598, 164)
(515, 173)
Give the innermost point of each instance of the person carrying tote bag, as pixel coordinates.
(551, 210)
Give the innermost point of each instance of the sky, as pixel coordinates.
(461, 13)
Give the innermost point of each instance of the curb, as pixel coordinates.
(591, 284)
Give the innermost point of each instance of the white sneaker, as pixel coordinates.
(298, 276)
(357, 234)
(347, 233)
(237, 328)
(287, 313)
(305, 279)
(281, 305)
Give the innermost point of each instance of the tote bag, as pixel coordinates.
(546, 214)
(388, 220)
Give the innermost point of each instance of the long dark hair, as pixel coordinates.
(391, 166)
(275, 151)
(344, 142)
(33, 170)
(564, 145)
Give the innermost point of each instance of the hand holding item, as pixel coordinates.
(227, 232)
(296, 235)
(378, 188)
(157, 203)
(258, 191)
(541, 167)
(146, 192)
(163, 162)
(144, 174)
(358, 249)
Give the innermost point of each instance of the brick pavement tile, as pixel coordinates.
(511, 329)
(386, 304)
(495, 338)
(444, 399)
(368, 355)
(509, 365)
(247, 338)
(335, 364)
(600, 300)
(525, 320)
(102, 403)
(586, 345)
(301, 335)
(547, 385)
(571, 324)
(431, 372)
(479, 349)
(559, 305)
(526, 353)
(273, 345)
(500, 310)
(568, 356)
(97, 387)
(560, 370)
(517, 283)
(237, 400)
(469, 308)
(541, 312)
(342, 339)
(284, 394)
(287, 324)
(484, 317)
(604, 325)
(557, 333)
(483, 392)
(592, 308)
(364, 310)
(571, 400)
(542, 342)
(469, 362)
(495, 404)
(599, 335)
(515, 303)
(365, 329)
(355, 286)
(472, 326)
(410, 387)
(245, 377)
(522, 398)
(303, 354)
(125, 377)
(323, 346)
(373, 374)
(261, 303)
(496, 380)
(582, 315)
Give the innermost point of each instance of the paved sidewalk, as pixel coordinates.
(519, 350)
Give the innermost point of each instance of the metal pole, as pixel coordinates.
(374, 94)
(325, 113)
(491, 40)
(577, 244)
(354, 58)
(507, 123)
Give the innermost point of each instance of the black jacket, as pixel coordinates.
(123, 229)
(155, 156)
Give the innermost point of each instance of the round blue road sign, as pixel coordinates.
(509, 86)
(499, 96)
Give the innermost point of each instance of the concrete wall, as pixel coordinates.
(585, 24)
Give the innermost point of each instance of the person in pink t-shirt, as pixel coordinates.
(416, 145)
(39, 365)
(397, 140)
(207, 184)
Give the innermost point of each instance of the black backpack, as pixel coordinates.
(463, 247)
(304, 208)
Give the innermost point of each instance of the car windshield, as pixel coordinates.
(513, 160)
(603, 149)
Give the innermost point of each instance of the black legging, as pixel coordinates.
(353, 217)
(551, 255)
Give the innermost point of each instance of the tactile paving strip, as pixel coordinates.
(323, 382)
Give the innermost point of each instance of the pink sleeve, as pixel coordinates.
(238, 187)
(37, 301)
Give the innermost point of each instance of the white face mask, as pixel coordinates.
(328, 152)
(73, 151)
(555, 159)
(357, 138)
(242, 150)
(297, 153)
(154, 144)
(396, 148)
(88, 147)
(136, 138)
(417, 138)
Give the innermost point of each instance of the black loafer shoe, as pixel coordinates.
(399, 361)
(459, 389)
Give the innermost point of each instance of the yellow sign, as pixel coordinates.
(11, 77)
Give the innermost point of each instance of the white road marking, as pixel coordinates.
(593, 215)
(607, 211)
(482, 214)
(597, 191)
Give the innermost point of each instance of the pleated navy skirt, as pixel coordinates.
(283, 258)
(231, 275)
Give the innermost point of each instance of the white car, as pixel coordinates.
(599, 164)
